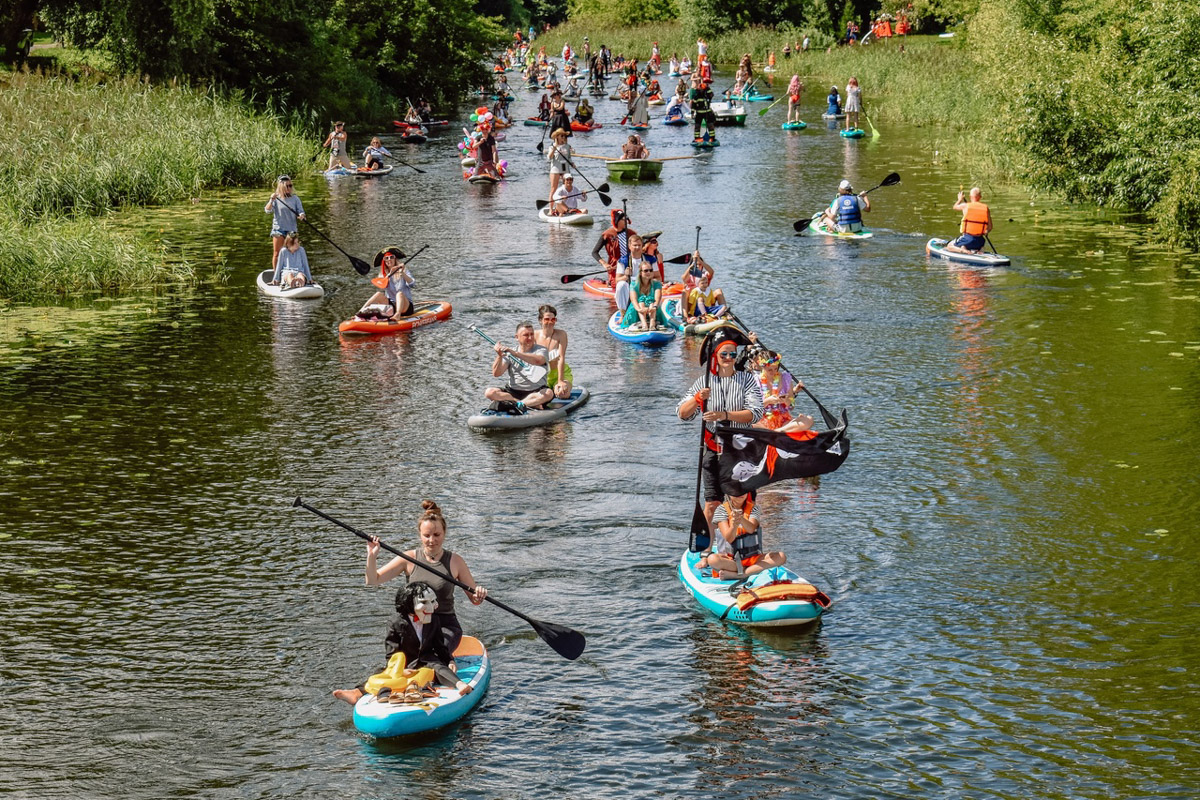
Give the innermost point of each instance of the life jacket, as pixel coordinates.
(746, 545)
(777, 592)
(848, 212)
(975, 219)
(612, 245)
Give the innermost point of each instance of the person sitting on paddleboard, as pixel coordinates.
(544, 108)
(834, 103)
(424, 110)
(685, 66)
(629, 268)
(502, 87)
(634, 148)
(845, 212)
(291, 270)
(703, 303)
(645, 310)
(286, 210)
(486, 154)
(395, 301)
(615, 243)
(584, 113)
(554, 339)
(412, 118)
(519, 393)
(779, 389)
(725, 394)
(697, 268)
(795, 88)
(976, 223)
(566, 198)
(740, 538)
(853, 104)
(336, 142)
(650, 252)
(374, 153)
(416, 633)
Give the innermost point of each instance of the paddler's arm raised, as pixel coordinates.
(603, 262)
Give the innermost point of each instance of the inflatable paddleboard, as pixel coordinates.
(655, 338)
(672, 309)
(424, 313)
(817, 225)
(794, 126)
(936, 247)
(600, 288)
(554, 411)
(310, 292)
(582, 218)
(785, 599)
(854, 133)
(358, 173)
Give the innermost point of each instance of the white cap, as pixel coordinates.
(568, 176)
(844, 185)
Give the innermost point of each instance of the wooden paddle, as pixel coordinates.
(598, 158)
(600, 190)
(534, 373)
(381, 281)
(801, 225)
(566, 642)
(360, 266)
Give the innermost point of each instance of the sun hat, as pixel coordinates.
(844, 185)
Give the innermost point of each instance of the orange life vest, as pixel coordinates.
(975, 219)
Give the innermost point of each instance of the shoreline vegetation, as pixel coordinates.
(80, 148)
(1089, 107)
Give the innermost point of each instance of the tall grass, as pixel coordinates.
(77, 148)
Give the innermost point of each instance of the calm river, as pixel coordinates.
(1011, 547)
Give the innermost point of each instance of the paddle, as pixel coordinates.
(891, 180)
(600, 190)
(381, 281)
(534, 373)
(573, 278)
(686, 258)
(989, 241)
(566, 642)
(768, 108)
(405, 163)
(874, 133)
(360, 266)
(543, 203)
(700, 534)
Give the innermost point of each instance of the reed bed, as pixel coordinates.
(76, 149)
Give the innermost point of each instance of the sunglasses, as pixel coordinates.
(730, 354)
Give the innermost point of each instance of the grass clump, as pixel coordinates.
(80, 148)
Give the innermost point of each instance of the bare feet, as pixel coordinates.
(350, 696)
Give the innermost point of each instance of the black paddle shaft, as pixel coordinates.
(701, 534)
(565, 641)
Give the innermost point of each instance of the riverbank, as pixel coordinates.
(81, 148)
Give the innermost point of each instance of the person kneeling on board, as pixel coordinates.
(738, 552)
(976, 223)
(521, 392)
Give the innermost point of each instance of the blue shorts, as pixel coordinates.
(970, 241)
(275, 232)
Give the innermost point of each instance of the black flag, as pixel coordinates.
(753, 457)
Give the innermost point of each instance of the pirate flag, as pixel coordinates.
(752, 457)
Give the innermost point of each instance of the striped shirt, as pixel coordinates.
(737, 392)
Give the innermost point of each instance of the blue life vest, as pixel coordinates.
(848, 212)
(748, 544)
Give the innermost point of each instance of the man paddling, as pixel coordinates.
(519, 393)
(976, 223)
(845, 212)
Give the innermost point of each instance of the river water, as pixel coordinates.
(1010, 547)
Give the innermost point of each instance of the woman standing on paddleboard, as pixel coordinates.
(431, 526)
(287, 211)
(853, 104)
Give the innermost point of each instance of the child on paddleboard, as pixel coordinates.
(291, 269)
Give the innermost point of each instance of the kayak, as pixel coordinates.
(794, 126)
(672, 310)
(786, 599)
(634, 169)
(936, 247)
(655, 338)
(854, 133)
(310, 292)
(600, 288)
(534, 122)
(579, 127)
(423, 314)
(656, 101)
(819, 227)
(358, 173)
(386, 720)
(581, 218)
(553, 411)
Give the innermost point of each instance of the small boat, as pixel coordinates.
(310, 292)
(554, 411)
(386, 720)
(937, 247)
(672, 309)
(655, 338)
(600, 288)
(634, 169)
(853, 133)
(579, 127)
(424, 313)
(729, 114)
(581, 217)
(779, 600)
(534, 122)
(817, 225)
(833, 116)
(753, 97)
(794, 126)
(435, 123)
(360, 172)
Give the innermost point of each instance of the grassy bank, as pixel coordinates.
(78, 148)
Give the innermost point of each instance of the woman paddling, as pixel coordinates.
(336, 142)
(559, 155)
(431, 526)
(395, 301)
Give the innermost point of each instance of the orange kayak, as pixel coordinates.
(423, 314)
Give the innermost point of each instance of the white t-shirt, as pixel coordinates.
(720, 545)
(561, 194)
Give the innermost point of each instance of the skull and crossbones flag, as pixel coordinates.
(752, 457)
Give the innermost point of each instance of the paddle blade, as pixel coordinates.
(686, 258)
(542, 204)
(360, 266)
(890, 180)
(605, 199)
(566, 642)
(379, 283)
(801, 225)
(700, 537)
(540, 147)
(604, 187)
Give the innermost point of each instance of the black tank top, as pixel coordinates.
(443, 588)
